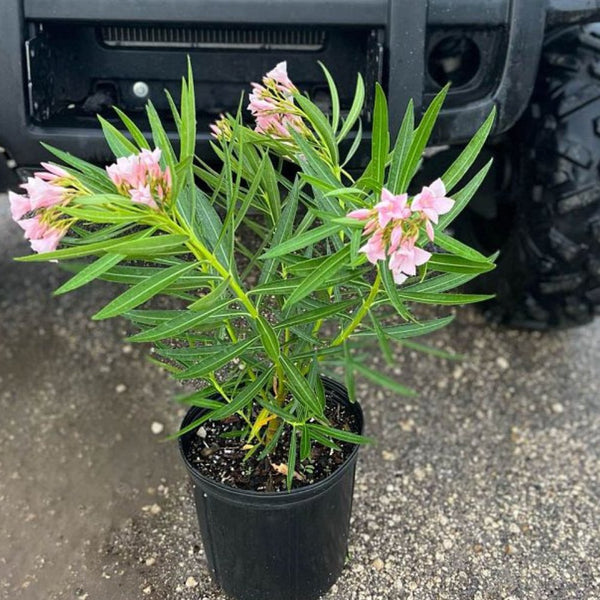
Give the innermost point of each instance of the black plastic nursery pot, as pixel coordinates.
(276, 545)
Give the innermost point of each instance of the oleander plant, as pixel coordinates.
(255, 272)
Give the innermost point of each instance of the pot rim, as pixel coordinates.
(310, 490)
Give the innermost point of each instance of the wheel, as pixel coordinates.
(546, 220)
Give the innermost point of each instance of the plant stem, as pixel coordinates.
(360, 313)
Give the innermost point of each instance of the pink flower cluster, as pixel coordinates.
(45, 190)
(272, 103)
(395, 225)
(141, 177)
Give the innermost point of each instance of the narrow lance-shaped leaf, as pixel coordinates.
(400, 151)
(355, 109)
(291, 464)
(117, 142)
(143, 291)
(335, 100)
(213, 363)
(300, 388)
(268, 338)
(178, 325)
(330, 266)
(380, 140)
(420, 139)
(91, 272)
(134, 130)
(467, 157)
(461, 198)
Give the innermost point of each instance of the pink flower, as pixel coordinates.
(51, 173)
(360, 214)
(406, 259)
(280, 76)
(392, 207)
(49, 242)
(19, 205)
(395, 238)
(432, 202)
(34, 228)
(375, 247)
(271, 102)
(143, 195)
(141, 177)
(43, 194)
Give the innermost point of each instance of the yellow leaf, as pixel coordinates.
(264, 416)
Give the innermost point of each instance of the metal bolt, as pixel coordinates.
(141, 89)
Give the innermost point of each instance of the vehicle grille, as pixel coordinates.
(298, 39)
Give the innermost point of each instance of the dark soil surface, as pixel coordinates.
(220, 457)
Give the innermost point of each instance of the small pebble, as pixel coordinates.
(502, 363)
(388, 455)
(150, 561)
(127, 349)
(201, 432)
(378, 564)
(558, 408)
(147, 590)
(121, 387)
(191, 582)
(157, 427)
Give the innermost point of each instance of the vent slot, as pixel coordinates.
(298, 39)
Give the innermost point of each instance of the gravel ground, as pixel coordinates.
(486, 486)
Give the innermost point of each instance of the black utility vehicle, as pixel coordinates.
(63, 61)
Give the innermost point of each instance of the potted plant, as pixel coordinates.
(252, 278)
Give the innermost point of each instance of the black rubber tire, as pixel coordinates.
(548, 273)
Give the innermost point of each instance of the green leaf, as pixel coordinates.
(320, 125)
(444, 299)
(155, 246)
(160, 137)
(335, 100)
(301, 241)
(188, 115)
(317, 314)
(408, 330)
(455, 247)
(462, 198)
(440, 283)
(207, 301)
(95, 175)
(467, 157)
(143, 291)
(282, 231)
(338, 434)
(182, 323)
(242, 398)
(300, 388)
(420, 139)
(91, 272)
(116, 141)
(136, 134)
(291, 464)
(268, 338)
(355, 109)
(391, 289)
(450, 263)
(349, 372)
(88, 249)
(304, 443)
(380, 140)
(330, 267)
(400, 151)
(201, 218)
(354, 146)
(213, 363)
